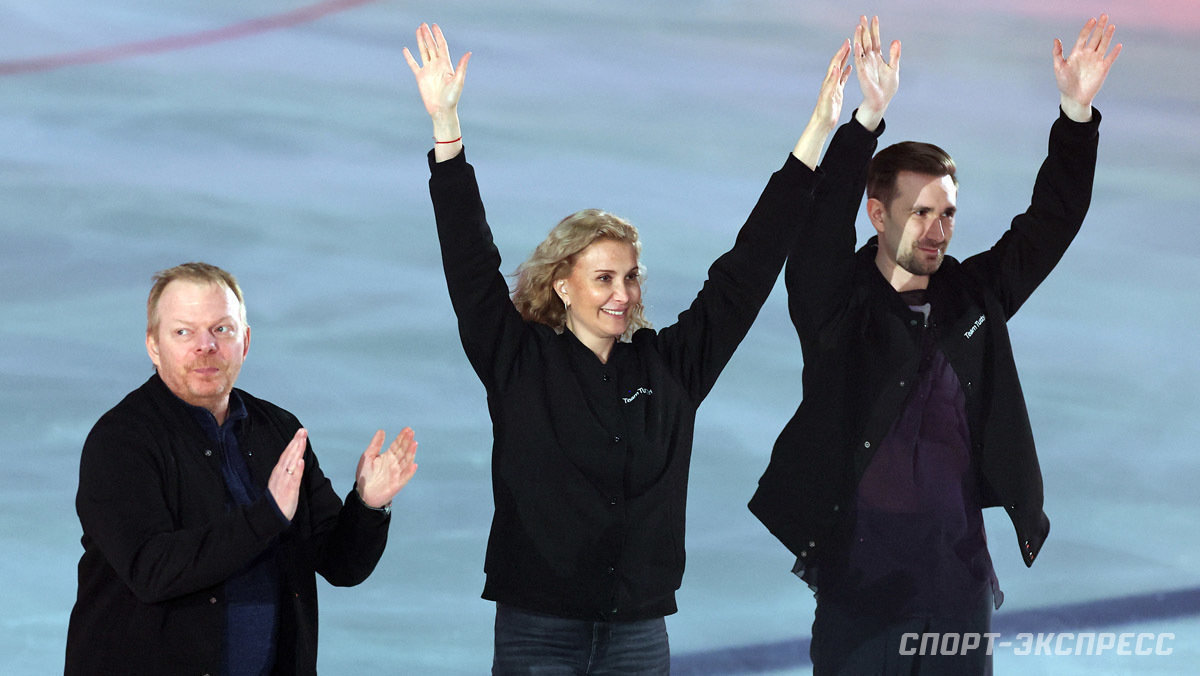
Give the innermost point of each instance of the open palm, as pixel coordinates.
(1081, 74)
(439, 82)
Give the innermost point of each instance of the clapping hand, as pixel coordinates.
(380, 476)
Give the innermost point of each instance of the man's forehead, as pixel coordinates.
(914, 185)
(187, 293)
(914, 178)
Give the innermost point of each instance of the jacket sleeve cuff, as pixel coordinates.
(798, 172)
(265, 517)
(1072, 133)
(857, 127)
(355, 504)
(456, 163)
(275, 508)
(1085, 128)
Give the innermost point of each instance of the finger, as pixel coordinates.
(839, 59)
(422, 45)
(397, 448)
(876, 43)
(294, 453)
(399, 464)
(427, 47)
(894, 55)
(293, 477)
(439, 41)
(1098, 34)
(404, 445)
(461, 71)
(408, 436)
(1108, 62)
(1106, 39)
(1057, 52)
(1083, 35)
(412, 63)
(389, 462)
(403, 472)
(406, 475)
(375, 445)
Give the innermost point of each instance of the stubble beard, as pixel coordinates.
(911, 262)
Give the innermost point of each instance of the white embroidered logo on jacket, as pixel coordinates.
(639, 391)
(978, 322)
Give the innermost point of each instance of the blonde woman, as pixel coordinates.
(593, 410)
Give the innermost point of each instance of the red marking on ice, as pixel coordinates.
(178, 42)
(1170, 15)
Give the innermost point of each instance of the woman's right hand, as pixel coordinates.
(829, 108)
(440, 83)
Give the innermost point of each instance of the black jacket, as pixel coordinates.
(861, 348)
(159, 541)
(590, 460)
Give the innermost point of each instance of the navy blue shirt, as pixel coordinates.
(252, 595)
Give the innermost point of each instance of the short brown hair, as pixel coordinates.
(554, 258)
(914, 156)
(192, 272)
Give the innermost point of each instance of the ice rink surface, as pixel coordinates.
(293, 154)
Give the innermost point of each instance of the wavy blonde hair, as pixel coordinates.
(554, 258)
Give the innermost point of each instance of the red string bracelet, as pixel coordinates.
(440, 142)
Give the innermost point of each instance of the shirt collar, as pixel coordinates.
(203, 416)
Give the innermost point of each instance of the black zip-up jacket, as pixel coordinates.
(159, 540)
(861, 347)
(590, 460)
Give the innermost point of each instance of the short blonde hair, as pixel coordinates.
(193, 272)
(554, 258)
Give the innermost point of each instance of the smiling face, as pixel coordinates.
(600, 292)
(199, 343)
(915, 228)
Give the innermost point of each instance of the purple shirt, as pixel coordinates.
(918, 546)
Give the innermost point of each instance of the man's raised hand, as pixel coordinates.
(1081, 73)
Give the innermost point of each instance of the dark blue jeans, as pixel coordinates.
(845, 642)
(529, 643)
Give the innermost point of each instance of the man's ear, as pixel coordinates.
(152, 348)
(876, 212)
